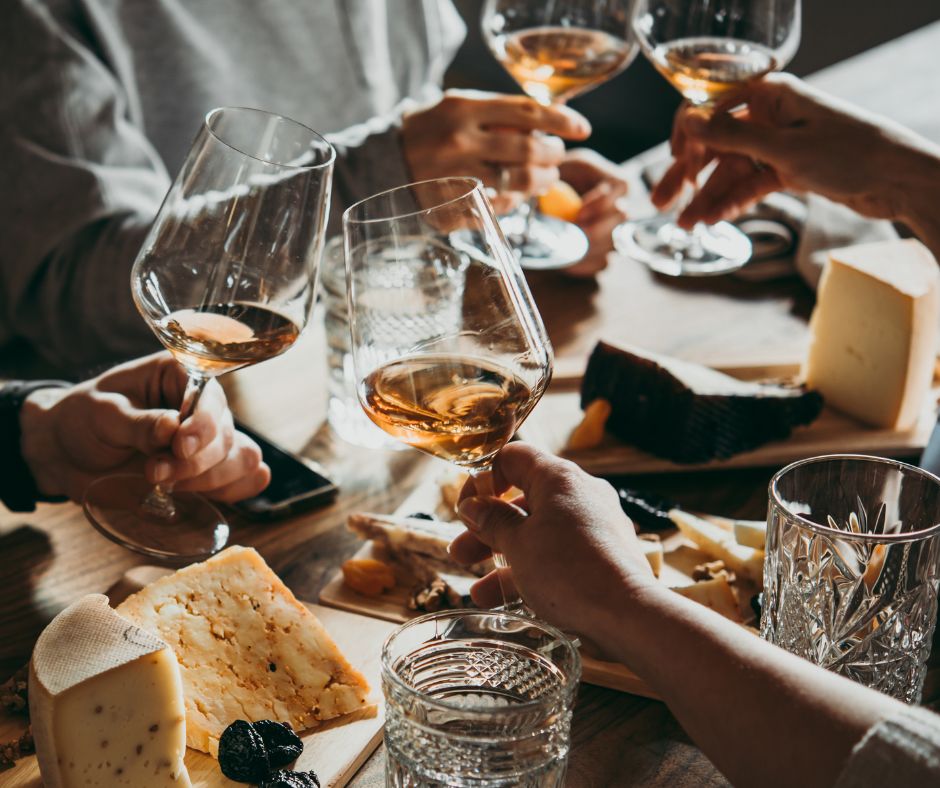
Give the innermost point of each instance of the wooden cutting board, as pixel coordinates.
(335, 751)
(679, 556)
(551, 422)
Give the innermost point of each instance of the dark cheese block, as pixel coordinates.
(688, 413)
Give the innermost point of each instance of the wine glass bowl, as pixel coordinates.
(225, 279)
(449, 349)
(555, 51)
(707, 49)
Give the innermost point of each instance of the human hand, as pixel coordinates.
(803, 140)
(573, 552)
(601, 184)
(485, 135)
(125, 421)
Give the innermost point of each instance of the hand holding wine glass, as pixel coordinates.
(448, 345)
(225, 279)
(709, 51)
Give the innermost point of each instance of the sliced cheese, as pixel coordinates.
(653, 550)
(746, 562)
(106, 703)
(716, 594)
(751, 533)
(874, 332)
(247, 648)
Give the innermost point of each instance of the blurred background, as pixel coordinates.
(634, 110)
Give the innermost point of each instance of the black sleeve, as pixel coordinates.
(17, 487)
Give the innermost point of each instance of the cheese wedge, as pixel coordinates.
(746, 562)
(751, 533)
(247, 648)
(874, 332)
(106, 703)
(716, 594)
(652, 548)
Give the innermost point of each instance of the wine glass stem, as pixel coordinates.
(483, 481)
(159, 501)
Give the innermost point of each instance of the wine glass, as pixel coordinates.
(707, 49)
(225, 278)
(556, 51)
(448, 346)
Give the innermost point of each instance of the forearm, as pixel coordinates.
(918, 190)
(765, 717)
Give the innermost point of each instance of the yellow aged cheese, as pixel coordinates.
(746, 562)
(874, 332)
(715, 593)
(106, 703)
(247, 648)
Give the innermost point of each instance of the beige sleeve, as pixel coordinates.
(901, 750)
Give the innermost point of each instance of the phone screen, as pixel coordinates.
(294, 484)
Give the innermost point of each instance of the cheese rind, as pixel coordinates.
(247, 648)
(106, 703)
(874, 332)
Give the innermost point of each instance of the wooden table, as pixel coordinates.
(51, 557)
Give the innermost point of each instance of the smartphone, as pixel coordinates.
(294, 487)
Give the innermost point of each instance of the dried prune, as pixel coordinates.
(283, 745)
(284, 779)
(242, 754)
(421, 516)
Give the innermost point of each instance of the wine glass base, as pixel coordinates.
(114, 506)
(667, 249)
(551, 243)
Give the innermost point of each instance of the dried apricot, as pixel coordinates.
(561, 201)
(368, 576)
(590, 432)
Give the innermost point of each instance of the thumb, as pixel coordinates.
(726, 133)
(123, 426)
(491, 520)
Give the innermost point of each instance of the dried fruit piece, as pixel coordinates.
(242, 754)
(284, 779)
(421, 516)
(368, 576)
(561, 201)
(282, 744)
(590, 432)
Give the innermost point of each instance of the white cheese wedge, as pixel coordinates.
(653, 550)
(874, 332)
(751, 533)
(106, 703)
(247, 648)
(716, 594)
(746, 562)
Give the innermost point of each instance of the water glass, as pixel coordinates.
(852, 568)
(478, 698)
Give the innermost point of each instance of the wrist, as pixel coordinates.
(38, 441)
(918, 193)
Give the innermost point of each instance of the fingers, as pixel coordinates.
(509, 147)
(238, 468)
(203, 426)
(734, 186)
(491, 520)
(492, 590)
(246, 487)
(725, 132)
(601, 202)
(521, 112)
(120, 425)
(466, 549)
(172, 467)
(670, 185)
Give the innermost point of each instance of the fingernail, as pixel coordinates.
(161, 471)
(470, 511)
(190, 446)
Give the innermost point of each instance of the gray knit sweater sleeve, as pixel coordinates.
(901, 750)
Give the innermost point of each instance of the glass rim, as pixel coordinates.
(283, 165)
(563, 693)
(470, 181)
(913, 536)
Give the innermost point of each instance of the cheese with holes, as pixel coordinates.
(247, 648)
(874, 332)
(106, 703)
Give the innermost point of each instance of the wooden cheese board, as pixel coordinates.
(551, 422)
(335, 751)
(680, 558)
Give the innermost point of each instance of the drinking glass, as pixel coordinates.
(478, 699)
(707, 49)
(449, 348)
(225, 278)
(556, 51)
(852, 568)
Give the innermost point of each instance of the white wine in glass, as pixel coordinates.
(449, 348)
(707, 49)
(556, 51)
(226, 279)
